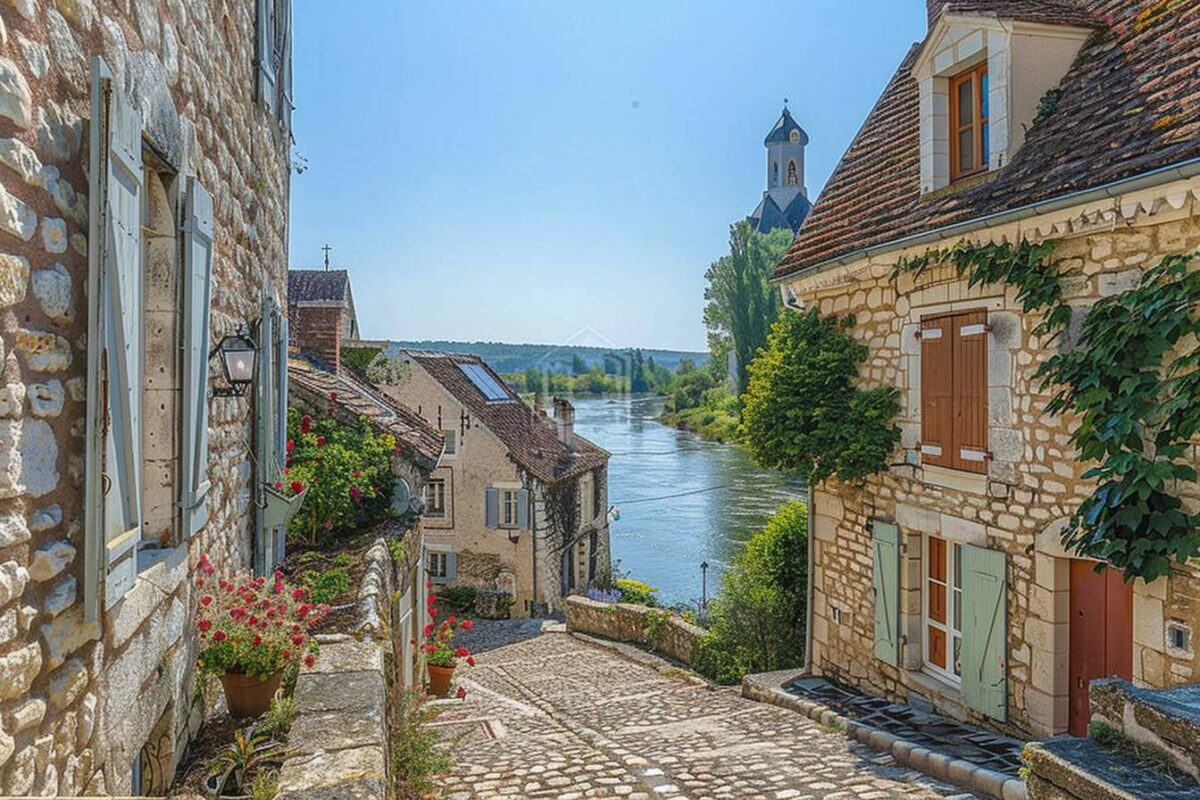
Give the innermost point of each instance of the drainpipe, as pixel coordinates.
(810, 589)
(533, 590)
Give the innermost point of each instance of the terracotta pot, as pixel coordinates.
(249, 696)
(439, 679)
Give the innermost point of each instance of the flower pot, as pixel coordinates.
(280, 508)
(212, 784)
(248, 695)
(439, 680)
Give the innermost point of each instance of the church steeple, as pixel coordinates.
(785, 202)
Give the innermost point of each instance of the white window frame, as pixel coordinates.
(433, 509)
(954, 592)
(450, 443)
(510, 507)
(437, 563)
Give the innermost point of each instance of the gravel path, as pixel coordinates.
(548, 715)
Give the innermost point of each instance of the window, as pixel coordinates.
(587, 498)
(943, 607)
(450, 448)
(490, 387)
(969, 122)
(774, 173)
(954, 427)
(506, 508)
(510, 513)
(435, 497)
(793, 177)
(437, 566)
(273, 46)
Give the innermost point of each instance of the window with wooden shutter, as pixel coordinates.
(197, 271)
(985, 631)
(954, 430)
(113, 490)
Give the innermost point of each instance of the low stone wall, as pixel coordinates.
(624, 622)
(1168, 720)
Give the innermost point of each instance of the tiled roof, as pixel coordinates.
(532, 440)
(1130, 104)
(1048, 12)
(318, 286)
(313, 386)
(768, 215)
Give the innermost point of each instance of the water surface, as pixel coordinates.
(682, 500)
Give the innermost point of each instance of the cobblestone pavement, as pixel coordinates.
(548, 715)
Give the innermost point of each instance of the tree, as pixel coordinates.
(578, 365)
(741, 304)
(533, 380)
(803, 412)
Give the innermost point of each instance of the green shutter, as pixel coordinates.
(451, 566)
(197, 293)
(887, 591)
(985, 632)
(491, 508)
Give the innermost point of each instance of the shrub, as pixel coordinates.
(348, 474)
(279, 717)
(459, 599)
(636, 592)
(413, 749)
(757, 621)
(325, 586)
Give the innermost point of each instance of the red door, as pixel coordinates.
(1101, 634)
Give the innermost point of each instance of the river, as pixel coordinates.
(682, 500)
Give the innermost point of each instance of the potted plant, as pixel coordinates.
(233, 768)
(282, 502)
(441, 656)
(251, 629)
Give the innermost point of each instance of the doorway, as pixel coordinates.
(1101, 635)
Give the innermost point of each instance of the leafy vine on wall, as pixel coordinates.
(1132, 380)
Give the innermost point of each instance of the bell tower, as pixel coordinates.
(785, 159)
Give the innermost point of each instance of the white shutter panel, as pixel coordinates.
(264, 47)
(114, 453)
(197, 272)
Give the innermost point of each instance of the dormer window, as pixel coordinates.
(969, 117)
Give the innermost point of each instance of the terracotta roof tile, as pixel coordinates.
(1130, 104)
(532, 440)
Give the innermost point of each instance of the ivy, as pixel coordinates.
(1026, 266)
(1133, 382)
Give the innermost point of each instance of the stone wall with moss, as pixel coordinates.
(1033, 482)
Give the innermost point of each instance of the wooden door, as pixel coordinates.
(1101, 635)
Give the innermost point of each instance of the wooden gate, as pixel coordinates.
(1101, 634)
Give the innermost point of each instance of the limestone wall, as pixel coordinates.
(1033, 482)
(79, 701)
(625, 622)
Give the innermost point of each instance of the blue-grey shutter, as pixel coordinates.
(451, 566)
(523, 509)
(491, 508)
(113, 491)
(985, 631)
(886, 575)
(197, 297)
(268, 435)
(285, 95)
(264, 52)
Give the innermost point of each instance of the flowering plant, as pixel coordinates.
(253, 625)
(438, 638)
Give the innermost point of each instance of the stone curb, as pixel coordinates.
(375, 589)
(941, 766)
(660, 663)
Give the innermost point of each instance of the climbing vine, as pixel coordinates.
(1132, 379)
(1026, 266)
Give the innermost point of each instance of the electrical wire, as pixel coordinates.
(670, 496)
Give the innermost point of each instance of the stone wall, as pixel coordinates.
(81, 700)
(317, 331)
(1032, 486)
(625, 622)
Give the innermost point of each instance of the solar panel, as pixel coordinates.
(484, 382)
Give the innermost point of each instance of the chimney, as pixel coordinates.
(317, 331)
(934, 9)
(564, 419)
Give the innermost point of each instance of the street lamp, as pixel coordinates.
(704, 585)
(238, 354)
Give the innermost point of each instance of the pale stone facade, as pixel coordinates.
(85, 703)
(1033, 479)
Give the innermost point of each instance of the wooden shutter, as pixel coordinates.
(886, 574)
(451, 566)
(270, 424)
(491, 508)
(523, 509)
(281, 388)
(113, 491)
(264, 51)
(985, 631)
(937, 392)
(197, 291)
(970, 391)
(284, 7)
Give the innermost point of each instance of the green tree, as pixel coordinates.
(756, 624)
(803, 412)
(740, 304)
(533, 380)
(578, 365)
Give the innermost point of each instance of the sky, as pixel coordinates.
(558, 171)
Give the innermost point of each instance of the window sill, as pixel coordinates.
(973, 482)
(941, 687)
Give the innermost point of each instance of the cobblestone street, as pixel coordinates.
(551, 716)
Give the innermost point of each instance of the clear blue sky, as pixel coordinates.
(520, 170)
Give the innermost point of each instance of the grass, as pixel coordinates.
(415, 752)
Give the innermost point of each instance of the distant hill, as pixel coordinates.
(555, 358)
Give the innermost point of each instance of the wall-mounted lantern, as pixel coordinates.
(238, 353)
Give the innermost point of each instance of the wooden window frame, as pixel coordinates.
(510, 508)
(951, 626)
(978, 122)
(437, 510)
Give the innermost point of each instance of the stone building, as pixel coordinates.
(145, 151)
(519, 501)
(785, 203)
(321, 312)
(943, 581)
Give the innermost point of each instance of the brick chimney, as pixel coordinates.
(317, 331)
(934, 9)
(564, 420)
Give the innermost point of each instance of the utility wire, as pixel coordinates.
(670, 496)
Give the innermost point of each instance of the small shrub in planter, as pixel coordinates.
(245, 762)
(251, 630)
(441, 656)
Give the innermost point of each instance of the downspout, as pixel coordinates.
(1182, 171)
(533, 595)
(811, 588)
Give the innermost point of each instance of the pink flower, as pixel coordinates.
(467, 624)
(309, 660)
(278, 484)
(462, 652)
(461, 694)
(355, 493)
(206, 600)
(291, 445)
(306, 424)
(257, 641)
(298, 640)
(297, 594)
(470, 661)
(286, 654)
(204, 624)
(297, 487)
(320, 441)
(219, 636)
(333, 397)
